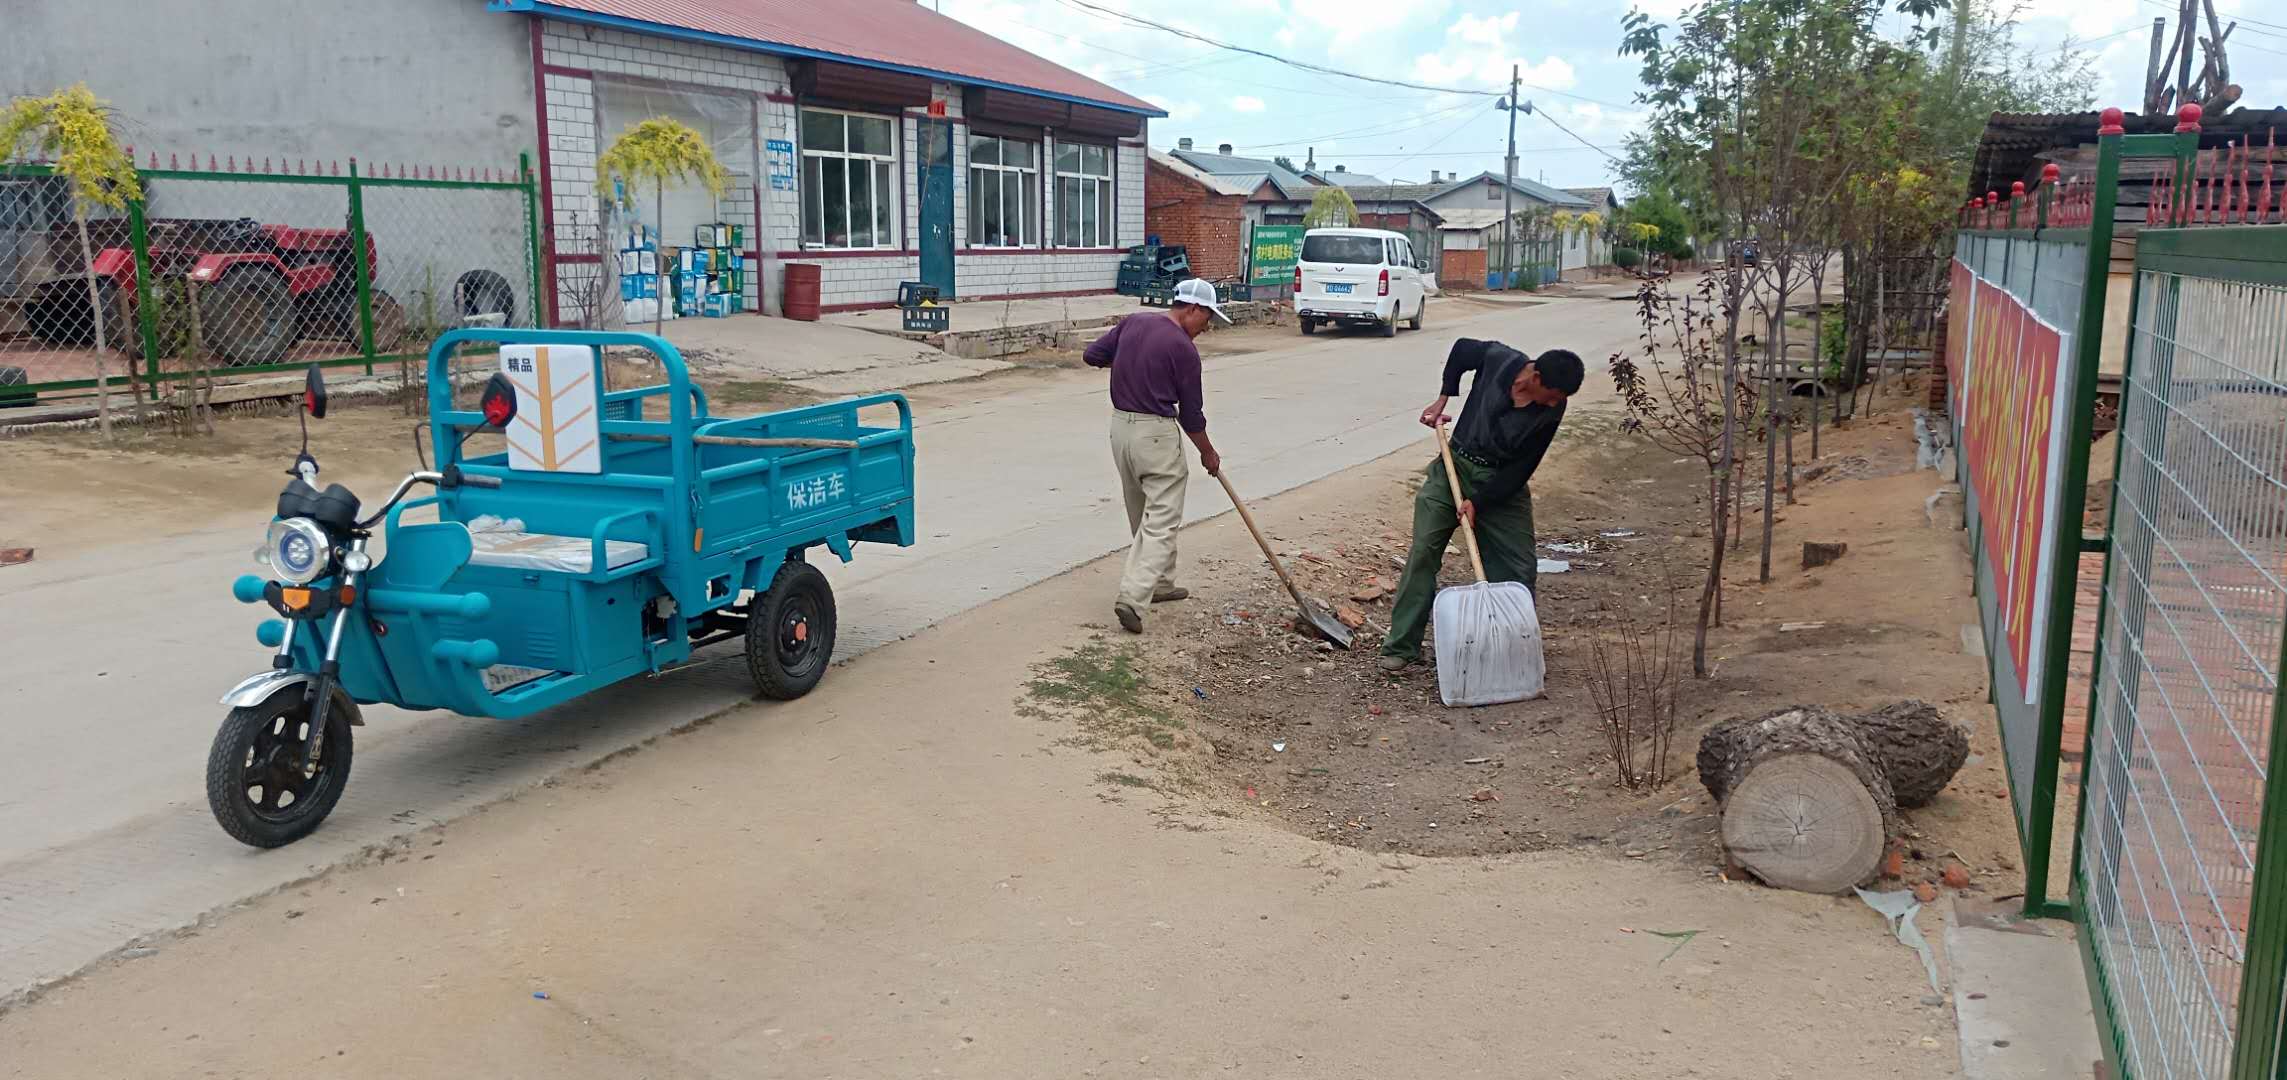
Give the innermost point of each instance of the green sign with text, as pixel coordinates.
(1271, 254)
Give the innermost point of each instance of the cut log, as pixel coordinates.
(1920, 750)
(1805, 802)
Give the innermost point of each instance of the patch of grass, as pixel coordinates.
(1102, 690)
(1126, 780)
(776, 392)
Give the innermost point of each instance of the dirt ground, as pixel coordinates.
(899, 877)
(175, 482)
(1260, 721)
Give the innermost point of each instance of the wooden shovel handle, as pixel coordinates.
(1249, 519)
(1468, 533)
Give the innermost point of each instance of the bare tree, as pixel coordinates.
(1681, 392)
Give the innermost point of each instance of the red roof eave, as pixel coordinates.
(893, 35)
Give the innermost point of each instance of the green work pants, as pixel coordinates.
(1504, 538)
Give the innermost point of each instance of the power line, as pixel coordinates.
(1543, 114)
(1380, 127)
(1455, 130)
(2070, 44)
(2240, 19)
(1301, 65)
(1466, 153)
(1156, 68)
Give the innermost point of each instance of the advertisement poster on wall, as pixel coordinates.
(1271, 254)
(2011, 420)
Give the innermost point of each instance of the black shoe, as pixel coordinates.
(1131, 620)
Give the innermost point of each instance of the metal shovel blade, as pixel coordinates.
(1315, 620)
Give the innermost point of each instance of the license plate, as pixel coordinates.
(501, 677)
(1337, 288)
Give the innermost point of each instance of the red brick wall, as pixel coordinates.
(1462, 269)
(1212, 226)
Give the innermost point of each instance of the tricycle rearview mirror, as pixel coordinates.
(314, 393)
(498, 403)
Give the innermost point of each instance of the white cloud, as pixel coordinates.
(1246, 103)
(2087, 18)
(1357, 25)
(1179, 112)
(1477, 51)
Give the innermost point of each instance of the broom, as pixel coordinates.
(1488, 635)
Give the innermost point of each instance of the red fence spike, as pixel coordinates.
(2227, 199)
(2215, 186)
(171, 160)
(154, 159)
(2270, 151)
(230, 164)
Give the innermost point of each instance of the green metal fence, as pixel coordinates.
(2022, 349)
(2179, 840)
(238, 268)
(2182, 881)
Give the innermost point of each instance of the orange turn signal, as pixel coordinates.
(295, 598)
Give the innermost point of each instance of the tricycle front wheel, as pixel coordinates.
(790, 632)
(255, 783)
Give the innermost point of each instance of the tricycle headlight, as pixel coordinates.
(297, 551)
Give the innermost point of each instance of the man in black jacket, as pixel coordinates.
(1511, 415)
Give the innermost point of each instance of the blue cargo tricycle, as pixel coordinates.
(603, 542)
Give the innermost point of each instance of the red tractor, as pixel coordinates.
(261, 288)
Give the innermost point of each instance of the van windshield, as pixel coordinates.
(1342, 249)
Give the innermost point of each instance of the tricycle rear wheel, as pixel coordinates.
(790, 632)
(254, 781)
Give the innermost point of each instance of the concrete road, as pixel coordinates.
(113, 660)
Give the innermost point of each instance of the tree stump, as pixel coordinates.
(1920, 750)
(1806, 804)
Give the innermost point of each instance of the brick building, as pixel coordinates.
(1204, 213)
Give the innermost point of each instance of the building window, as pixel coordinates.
(1004, 192)
(1083, 196)
(849, 180)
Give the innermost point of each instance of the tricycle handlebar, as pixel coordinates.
(403, 486)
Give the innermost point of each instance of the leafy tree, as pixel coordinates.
(72, 129)
(1285, 162)
(659, 151)
(1330, 208)
(1659, 224)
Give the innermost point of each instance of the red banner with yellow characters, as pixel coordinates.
(2004, 385)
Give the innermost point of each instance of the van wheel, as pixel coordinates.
(790, 632)
(1418, 314)
(1390, 326)
(1309, 327)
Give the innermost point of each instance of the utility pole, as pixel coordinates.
(1509, 181)
(2184, 63)
(2153, 80)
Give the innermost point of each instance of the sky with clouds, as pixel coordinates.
(1566, 51)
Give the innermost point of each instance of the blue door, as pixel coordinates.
(936, 139)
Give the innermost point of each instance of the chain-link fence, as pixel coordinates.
(2174, 838)
(238, 269)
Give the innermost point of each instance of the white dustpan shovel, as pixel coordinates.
(1488, 634)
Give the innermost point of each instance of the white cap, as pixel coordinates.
(1201, 292)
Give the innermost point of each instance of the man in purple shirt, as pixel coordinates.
(1155, 396)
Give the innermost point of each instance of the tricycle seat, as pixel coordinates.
(502, 543)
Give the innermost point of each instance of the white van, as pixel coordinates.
(1359, 276)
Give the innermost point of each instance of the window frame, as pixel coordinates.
(1105, 202)
(1028, 184)
(888, 204)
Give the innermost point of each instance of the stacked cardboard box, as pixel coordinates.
(639, 275)
(711, 274)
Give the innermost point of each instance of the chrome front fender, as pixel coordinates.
(256, 689)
